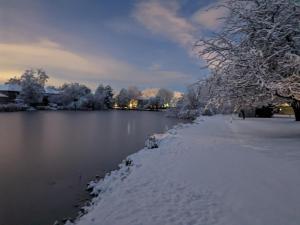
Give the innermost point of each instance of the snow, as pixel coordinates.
(3, 95)
(217, 170)
(154, 140)
(10, 87)
(51, 91)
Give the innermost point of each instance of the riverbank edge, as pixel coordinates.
(22, 108)
(99, 187)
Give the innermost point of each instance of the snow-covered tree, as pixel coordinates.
(103, 97)
(165, 96)
(256, 57)
(72, 93)
(133, 92)
(85, 102)
(108, 100)
(123, 98)
(14, 80)
(194, 101)
(99, 97)
(154, 103)
(32, 83)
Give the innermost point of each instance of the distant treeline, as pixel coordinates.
(30, 90)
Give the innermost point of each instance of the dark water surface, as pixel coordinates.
(47, 158)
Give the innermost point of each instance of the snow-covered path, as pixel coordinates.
(211, 172)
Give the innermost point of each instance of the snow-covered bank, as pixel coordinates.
(215, 171)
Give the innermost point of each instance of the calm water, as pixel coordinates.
(47, 158)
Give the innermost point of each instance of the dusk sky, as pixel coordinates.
(116, 42)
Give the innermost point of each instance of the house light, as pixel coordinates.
(133, 104)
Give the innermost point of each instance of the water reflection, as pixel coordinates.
(46, 158)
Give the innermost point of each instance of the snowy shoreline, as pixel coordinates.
(99, 186)
(212, 171)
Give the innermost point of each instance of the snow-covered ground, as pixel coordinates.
(215, 171)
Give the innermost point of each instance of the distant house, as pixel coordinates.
(9, 92)
(50, 92)
(4, 98)
(133, 104)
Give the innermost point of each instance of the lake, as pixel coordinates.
(47, 158)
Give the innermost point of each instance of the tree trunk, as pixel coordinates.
(296, 108)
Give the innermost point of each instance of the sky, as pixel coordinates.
(148, 44)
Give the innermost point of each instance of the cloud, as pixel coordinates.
(52, 57)
(152, 92)
(163, 19)
(22, 46)
(67, 66)
(155, 66)
(149, 92)
(178, 94)
(210, 17)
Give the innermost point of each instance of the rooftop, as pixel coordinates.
(3, 96)
(51, 91)
(10, 87)
(18, 88)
